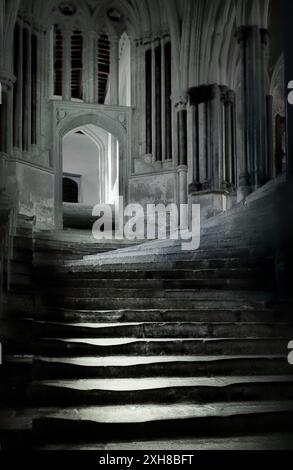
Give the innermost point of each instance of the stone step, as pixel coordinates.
(265, 441)
(158, 421)
(164, 265)
(168, 315)
(90, 392)
(155, 284)
(162, 330)
(158, 366)
(150, 347)
(166, 303)
(134, 293)
(170, 419)
(156, 274)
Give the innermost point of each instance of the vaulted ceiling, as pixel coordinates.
(202, 32)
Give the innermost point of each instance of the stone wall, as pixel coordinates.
(153, 188)
(36, 194)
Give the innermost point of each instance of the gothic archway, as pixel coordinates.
(114, 120)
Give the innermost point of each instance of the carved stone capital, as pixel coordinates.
(180, 101)
(7, 80)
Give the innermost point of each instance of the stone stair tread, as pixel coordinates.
(18, 359)
(11, 419)
(160, 264)
(117, 312)
(124, 361)
(101, 325)
(122, 341)
(271, 441)
(106, 367)
(140, 384)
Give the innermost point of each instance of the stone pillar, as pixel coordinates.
(114, 71)
(135, 67)
(168, 104)
(270, 161)
(229, 136)
(27, 91)
(181, 109)
(153, 90)
(18, 98)
(163, 99)
(141, 93)
(66, 69)
(158, 104)
(6, 112)
(114, 166)
(213, 148)
(253, 42)
(195, 186)
(149, 100)
(215, 156)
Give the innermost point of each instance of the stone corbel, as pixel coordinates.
(7, 80)
(180, 101)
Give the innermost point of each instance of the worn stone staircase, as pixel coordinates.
(182, 354)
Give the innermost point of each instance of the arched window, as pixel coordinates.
(58, 61)
(76, 64)
(103, 67)
(69, 54)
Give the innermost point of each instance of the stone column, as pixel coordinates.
(158, 104)
(27, 91)
(153, 90)
(17, 125)
(163, 99)
(168, 103)
(6, 112)
(135, 67)
(141, 93)
(215, 156)
(181, 109)
(229, 135)
(66, 69)
(114, 71)
(270, 163)
(253, 42)
(195, 186)
(213, 148)
(148, 68)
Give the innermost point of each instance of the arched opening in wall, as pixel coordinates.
(70, 190)
(90, 157)
(124, 70)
